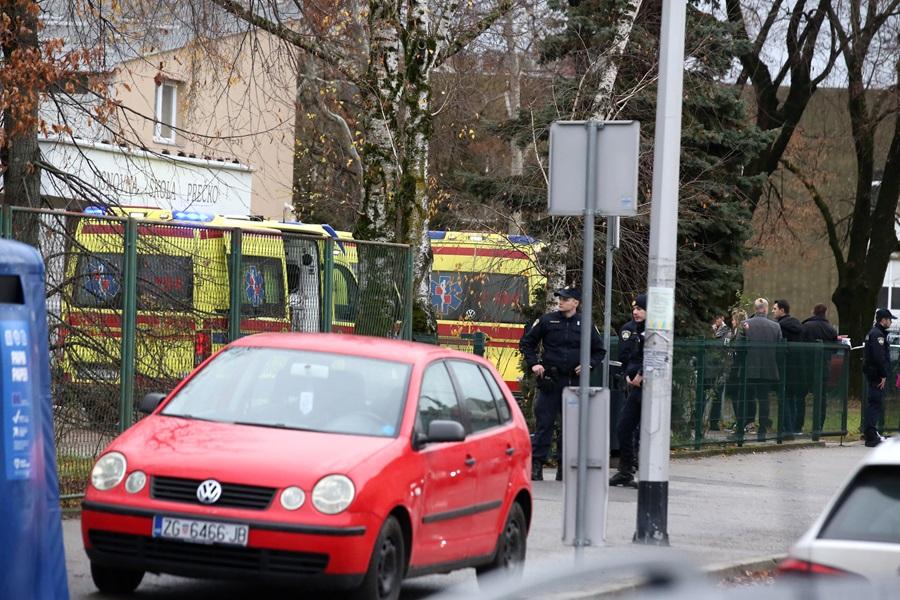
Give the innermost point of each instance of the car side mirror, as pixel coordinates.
(445, 431)
(151, 401)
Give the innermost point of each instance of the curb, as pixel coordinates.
(724, 570)
(715, 572)
(751, 449)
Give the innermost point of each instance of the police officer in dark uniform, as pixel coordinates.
(631, 355)
(876, 367)
(559, 334)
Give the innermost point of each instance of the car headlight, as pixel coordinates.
(135, 482)
(108, 471)
(292, 498)
(333, 494)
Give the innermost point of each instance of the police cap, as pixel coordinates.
(883, 313)
(640, 301)
(568, 292)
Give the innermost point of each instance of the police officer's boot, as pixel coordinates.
(624, 476)
(559, 471)
(537, 470)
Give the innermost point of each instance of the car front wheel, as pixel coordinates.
(509, 557)
(115, 580)
(387, 565)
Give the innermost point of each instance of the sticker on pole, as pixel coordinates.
(18, 422)
(660, 308)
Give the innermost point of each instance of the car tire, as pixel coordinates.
(115, 580)
(509, 557)
(386, 566)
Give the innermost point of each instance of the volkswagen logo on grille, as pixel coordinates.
(209, 491)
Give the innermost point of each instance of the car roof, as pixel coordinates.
(886, 453)
(358, 345)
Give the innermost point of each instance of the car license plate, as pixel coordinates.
(200, 532)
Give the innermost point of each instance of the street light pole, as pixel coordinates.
(653, 487)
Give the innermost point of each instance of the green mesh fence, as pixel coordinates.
(134, 305)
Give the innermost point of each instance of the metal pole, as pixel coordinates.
(236, 285)
(584, 378)
(653, 488)
(612, 243)
(408, 296)
(328, 285)
(128, 324)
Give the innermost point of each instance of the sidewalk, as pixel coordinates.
(724, 511)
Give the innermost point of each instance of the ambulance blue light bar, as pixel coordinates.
(437, 235)
(521, 239)
(190, 215)
(94, 210)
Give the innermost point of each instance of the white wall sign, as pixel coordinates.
(131, 177)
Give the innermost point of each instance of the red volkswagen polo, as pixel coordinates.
(329, 460)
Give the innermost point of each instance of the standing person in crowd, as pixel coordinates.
(762, 336)
(816, 329)
(631, 355)
(558, 333)
(795, 390)
(734, 382)
(720, 329)
(713, 370)
(876, 367)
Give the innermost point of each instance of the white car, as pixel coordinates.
(858, 533)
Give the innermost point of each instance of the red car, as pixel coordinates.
(330, 460)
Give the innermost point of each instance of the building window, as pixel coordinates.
(166, 111)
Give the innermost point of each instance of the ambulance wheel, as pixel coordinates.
(115, 580)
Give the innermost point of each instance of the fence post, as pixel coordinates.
(234, 290)
(128, 325)
(6, 222)
(819, 393)
(741, 419)
(328, 285)
(700, 397)
(782, 392)
(408, 296)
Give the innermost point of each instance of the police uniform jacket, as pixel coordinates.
(561, 340)
(878, 354)
(631, 348)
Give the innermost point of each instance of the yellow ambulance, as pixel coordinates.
(182, 292)
(485, 282)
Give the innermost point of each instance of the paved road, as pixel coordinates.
(722, 510)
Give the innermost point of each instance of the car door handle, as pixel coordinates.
(470, 462)
(510, 450)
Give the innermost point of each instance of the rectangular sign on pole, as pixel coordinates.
(618, 143)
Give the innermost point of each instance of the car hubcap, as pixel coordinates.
(387, 568)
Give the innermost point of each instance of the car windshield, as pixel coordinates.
(294, 389)
(869, 510)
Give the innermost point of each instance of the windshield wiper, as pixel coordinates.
(192, 417)
(271, 425)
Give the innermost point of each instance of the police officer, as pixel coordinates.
(876, 367)
(631, 355)
(559, 334)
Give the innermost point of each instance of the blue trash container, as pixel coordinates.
(32, 559)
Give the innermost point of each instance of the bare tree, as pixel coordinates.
(390, 63)
(862, 237)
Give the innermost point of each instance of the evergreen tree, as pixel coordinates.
(718, 140)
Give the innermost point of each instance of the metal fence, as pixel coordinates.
(739, 392)
(133, 305)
